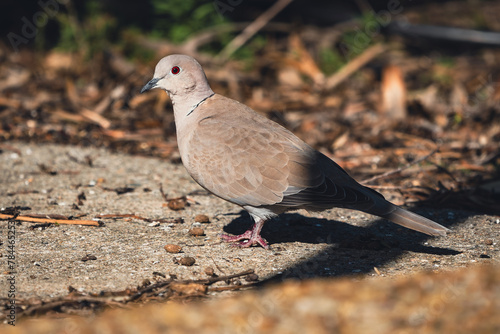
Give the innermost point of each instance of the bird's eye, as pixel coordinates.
(175, 70)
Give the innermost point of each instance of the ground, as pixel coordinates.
(49, 179)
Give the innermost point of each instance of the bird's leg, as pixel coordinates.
(252, 236)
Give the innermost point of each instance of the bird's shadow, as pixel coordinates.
(352, 249)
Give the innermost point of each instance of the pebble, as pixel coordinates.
(209, 271)
(177, 204)
(88, 257)
(171, 248)
(202, 219)
(196, 231)
(187, 261)
(252, 278)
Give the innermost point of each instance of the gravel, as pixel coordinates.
(50, 179)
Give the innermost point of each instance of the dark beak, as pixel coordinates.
(150, 85)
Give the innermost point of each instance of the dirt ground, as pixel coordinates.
(123, 252)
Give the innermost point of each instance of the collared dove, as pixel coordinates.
(249, 160)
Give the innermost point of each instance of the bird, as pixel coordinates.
(247, 159)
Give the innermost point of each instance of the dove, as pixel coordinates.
(245, 158)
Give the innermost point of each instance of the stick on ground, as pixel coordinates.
(51, 221)
(400, 169)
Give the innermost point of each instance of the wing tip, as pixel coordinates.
(416, 222)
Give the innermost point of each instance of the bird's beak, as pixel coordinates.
(150, 85)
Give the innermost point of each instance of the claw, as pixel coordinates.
(233, 238)
(252, 237)
(254, 241)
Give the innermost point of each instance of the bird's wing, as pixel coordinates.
(247, 159)
(337, 189)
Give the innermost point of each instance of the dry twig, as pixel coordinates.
(163, 289)
(400, 169)
(353, 66)
(252, 29)
(51, 220)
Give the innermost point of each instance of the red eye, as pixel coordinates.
(175, 70)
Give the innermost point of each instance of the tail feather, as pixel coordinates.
(415, 222)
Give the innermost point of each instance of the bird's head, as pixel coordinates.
(179, 75)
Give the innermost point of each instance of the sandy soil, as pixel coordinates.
(127, 251)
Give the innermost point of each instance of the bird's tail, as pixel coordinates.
(415, 222)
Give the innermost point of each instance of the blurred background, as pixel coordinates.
(407, 88)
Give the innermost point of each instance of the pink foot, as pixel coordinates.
(252, 237)
(233, 238)
(250, 240)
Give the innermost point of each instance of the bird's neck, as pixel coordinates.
(186, 115)
(187, 103)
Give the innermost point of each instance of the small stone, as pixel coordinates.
(171, 248)
(157, 273)
(177, 203)
(252, 278)
(172, 221)
(123, 190)
(209, 271)
(202, 219)
(187, 261)
(196, 231)
(88, 257)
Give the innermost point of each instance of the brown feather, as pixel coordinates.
(245, 158)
